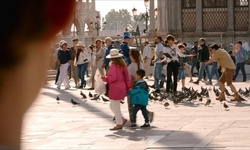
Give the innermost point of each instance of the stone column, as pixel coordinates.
(171, 16)
(93, 4)
(198, 29)
(178, 17)
(161, 19)
(87, 4)
(152, 17)
(230, 16)
(248, 19)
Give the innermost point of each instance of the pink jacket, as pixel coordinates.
(118, 82)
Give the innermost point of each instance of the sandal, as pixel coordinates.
(117, 127)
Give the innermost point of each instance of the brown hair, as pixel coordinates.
(136, 55)
(170, 37)
(118, 61)
(181, 46)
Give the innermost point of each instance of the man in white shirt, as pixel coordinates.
(147, 55)
(158, 63)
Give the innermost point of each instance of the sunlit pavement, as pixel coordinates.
(189, 125)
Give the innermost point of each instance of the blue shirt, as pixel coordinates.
(240, 57)
(158, 49)
(125, 51)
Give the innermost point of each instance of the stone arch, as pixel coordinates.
(78, 25)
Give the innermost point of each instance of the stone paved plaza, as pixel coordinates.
(188, 126)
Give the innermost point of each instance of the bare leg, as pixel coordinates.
(233, 89)
(222, 87)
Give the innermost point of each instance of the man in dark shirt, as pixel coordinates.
(125, 50)
(194, 51)
(202, 58)
(108, 41)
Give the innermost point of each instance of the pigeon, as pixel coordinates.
(83, 95)
(57, 98)
(200, 99)
(226, 106)
(96, 97)
(104, 99)
(227, 92)
(74, 102)
(166, 104)
(242, 99)
(208, 102)
(90, 94)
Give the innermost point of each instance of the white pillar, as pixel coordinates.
(198, 17)
(152, 16)
(161, 19)
(178, 18)
(230, 16)
(93, 4)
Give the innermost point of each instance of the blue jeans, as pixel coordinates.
(81, 72)
(144, 111)
(194, 62)
(214, 70)
(240, 66)
(201, 70)
(182, 74)
(157, 75)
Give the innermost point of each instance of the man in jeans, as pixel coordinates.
(202, 58)
(240, 61)
(194, 51)
(158, 63)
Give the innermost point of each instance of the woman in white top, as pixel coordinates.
(81, 60)
(172, 52)
(98, 60)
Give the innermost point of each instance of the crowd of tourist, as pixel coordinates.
(171, 61)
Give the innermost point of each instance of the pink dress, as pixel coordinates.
(118, 82)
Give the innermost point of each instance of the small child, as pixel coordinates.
(139, 98)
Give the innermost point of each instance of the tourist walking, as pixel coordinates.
(82, 59)
(63, 60)
(118, 79)
(139, 99)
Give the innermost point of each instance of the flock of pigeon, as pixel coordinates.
(191, 95)
(93, 97)
(185, 95)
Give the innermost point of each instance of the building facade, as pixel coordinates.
(220, 21)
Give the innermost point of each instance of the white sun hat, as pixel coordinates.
(114, 53)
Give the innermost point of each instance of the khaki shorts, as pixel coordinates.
(227, 76)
